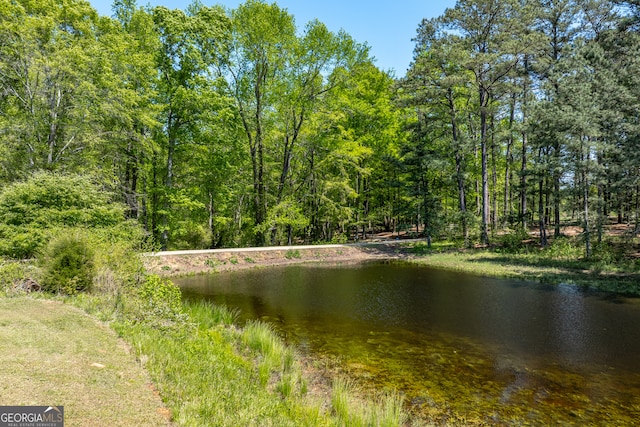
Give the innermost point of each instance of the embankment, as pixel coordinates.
(176, 263)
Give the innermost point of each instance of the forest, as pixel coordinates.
(222, 128)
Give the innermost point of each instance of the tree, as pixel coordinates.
(493, 32)
(439, 85)
(49, 80)
(190, 44)
(276, 79)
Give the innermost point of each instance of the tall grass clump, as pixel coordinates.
(210, 315)
(273, 355)
(384, 411)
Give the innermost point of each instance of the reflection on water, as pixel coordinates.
(462, 349)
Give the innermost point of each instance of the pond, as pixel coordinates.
(461, 349)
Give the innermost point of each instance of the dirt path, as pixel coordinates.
(54, 354)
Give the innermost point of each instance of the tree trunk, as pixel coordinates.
(507, 168)
(541, 210)
(585, 183)
(484, 230)
(459, 168)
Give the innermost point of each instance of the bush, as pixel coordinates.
(34, 210)
(158, 302)
(514, 241)
(68, 265)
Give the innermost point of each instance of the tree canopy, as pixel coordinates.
(227, 127)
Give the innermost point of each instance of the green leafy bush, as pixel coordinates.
(564, 249)
(68, 265)
(514, 241)
(158, 302)
(32, 211)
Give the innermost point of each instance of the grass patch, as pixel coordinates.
(207, 378)
(293, 254)
(210, 372)
(54, 354)
(553, 266)
(386, 410)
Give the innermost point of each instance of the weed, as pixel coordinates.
(233, 260)
(293, 254)
(212, 263)
(249, 260)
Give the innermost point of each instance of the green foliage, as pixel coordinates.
(13, 273)
(514, 241)
(211, 315)
(158, 301)
(293, 254)
(564, 249)
(31, 211)
(211, 262)
(386, 411)
(274, 355)
(68, 265)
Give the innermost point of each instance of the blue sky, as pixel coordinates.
(386, 26)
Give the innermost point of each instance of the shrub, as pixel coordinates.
(68, 265)
(293, 254)
(33, 210)
(564, 249)
(514, 241)
(158, 301)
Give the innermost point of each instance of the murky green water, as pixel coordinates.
(463, 349)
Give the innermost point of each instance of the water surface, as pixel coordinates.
(462, 349)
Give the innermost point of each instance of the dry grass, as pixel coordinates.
(54, 354)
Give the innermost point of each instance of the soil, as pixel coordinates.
(167, 264)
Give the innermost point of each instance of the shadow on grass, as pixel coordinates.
(556, 271)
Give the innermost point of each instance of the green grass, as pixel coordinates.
(386, 410)
(562, 262)
(54, 354)
(293, 254)
(210, 372)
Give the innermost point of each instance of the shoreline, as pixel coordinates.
(181, 263)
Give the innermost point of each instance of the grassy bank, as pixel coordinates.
(211, 372)
(609, 270)
(206, 369)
